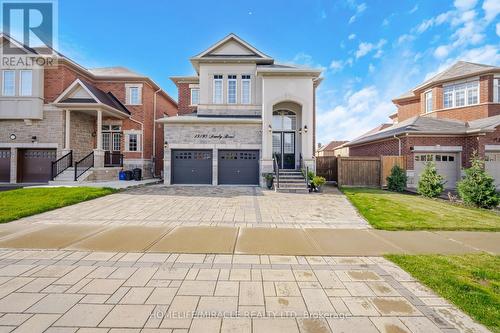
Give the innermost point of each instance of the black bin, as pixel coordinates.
(129, 175)
(137, 174)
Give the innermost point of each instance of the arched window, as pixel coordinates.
(284, 120)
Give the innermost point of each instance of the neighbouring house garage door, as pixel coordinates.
(447, 165)
(34, 165)
(492, 166)
(238, 167)
(4, 165)
(191, 167)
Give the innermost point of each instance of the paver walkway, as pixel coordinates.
(157, 205)
(70, 291)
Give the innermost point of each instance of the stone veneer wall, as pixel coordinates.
(81, 140)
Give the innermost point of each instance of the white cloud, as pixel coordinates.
(307, 60)
(465, 4)
(359, 9)
(385, 22)
(405, 38)
(364, 48)
(351, 36)
(371, 68)
(491, 9)
(336, 65)
(498, 29)
(442, 51)
(414, 9)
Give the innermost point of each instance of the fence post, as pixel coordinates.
(381, 172)
(339, 171)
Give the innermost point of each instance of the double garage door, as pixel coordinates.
(447, 165)
(33, 165)
(235, 167)
(492, 166)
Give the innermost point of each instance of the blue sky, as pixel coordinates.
(371, 51)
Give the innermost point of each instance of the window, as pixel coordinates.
(231, 89)
(245, 89)
(284, 121)
(9, 83)
(134, 94)
(133, 142)
(217, 98)
(26, 83)
(428, 101)
(457, 95)
(496, 90)
(195, 96)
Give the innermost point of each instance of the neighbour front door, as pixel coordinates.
(111, 144)
(284, 149)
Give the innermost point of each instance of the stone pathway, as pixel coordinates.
(70, 291)
(157, 205)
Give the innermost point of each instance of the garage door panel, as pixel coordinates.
(492, 166)
(34, 165)
(192, 167)
(4, 165)
(447, 165)
(238, 167)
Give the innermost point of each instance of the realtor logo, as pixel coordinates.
(30, 25)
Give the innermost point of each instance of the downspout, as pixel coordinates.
(395, 137)
(154, 132)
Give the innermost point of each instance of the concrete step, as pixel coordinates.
(293, 190)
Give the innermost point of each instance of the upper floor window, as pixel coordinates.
(134, 94)
(245, 89)
(9, 83)
(195, 96)
(496, 90)
(231, 89)
(461, 94)
(26, 83)
(218, 85)
(284, 120)
(428, 102)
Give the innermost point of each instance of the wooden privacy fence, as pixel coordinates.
(326, 166)
(366, 171)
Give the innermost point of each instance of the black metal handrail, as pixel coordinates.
(113, 159)
(276, 171)
(83, 165)
(58, 166)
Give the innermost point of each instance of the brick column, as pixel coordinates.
(67, 133)
(98, 152)
(13, 165)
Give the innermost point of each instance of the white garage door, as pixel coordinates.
(447, 165)
(492, 166)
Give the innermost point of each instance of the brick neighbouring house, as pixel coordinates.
(444, 120)
(107, 114)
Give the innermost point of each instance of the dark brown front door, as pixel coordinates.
(4, 165)
(34, 165)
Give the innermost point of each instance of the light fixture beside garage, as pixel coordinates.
(13, 136)
(270, 128)
(305, 128)
(33, 138)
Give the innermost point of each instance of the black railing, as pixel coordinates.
(83, 165)
(58, 166)
(113, 159)
(276, 172)
(305, 169)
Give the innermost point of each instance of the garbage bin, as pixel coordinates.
(121, 175)
(137, 174)
(128, 175)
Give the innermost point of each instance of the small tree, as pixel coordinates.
(478, 188)
(396, 181)
(430, 184)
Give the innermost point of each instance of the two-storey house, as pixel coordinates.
(241, 116)
(444, 120)
(66, 122)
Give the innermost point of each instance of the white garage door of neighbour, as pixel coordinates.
(492, 166)
(447, 165)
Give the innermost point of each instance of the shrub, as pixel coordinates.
(318, 181)
(396, 181)
(430, 184)
(478, 188)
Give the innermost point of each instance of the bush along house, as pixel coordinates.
(443, 120)
(241, 117)
(69, 123)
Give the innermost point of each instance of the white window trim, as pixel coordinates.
(3, 82)
(127, 93)
(453, 93)
(249, 90)
(221, 90)
(139, 141)
(235, 90)
(191, 96)
(21, 82)
(427, 93)
(496, 87)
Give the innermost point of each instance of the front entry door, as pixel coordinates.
(284, 149)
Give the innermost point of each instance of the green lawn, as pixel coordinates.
(471, 282)
(30, 201)
(394, 211)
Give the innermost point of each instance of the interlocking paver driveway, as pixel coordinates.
(66, 291)
(214, 206)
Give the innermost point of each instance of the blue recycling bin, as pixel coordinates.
(121, 175)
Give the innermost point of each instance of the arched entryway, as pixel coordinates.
(286, 144)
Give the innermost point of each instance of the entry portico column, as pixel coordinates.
(99, 152)
(67, 132)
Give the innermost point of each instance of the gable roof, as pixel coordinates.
(332, 145)
(251, 50)
(459, 70)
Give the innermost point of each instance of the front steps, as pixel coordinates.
(67, 177)
(291, 181)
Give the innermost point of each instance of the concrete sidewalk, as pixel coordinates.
(233, 240)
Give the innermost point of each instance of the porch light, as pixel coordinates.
(13, 136)
(300, 130)
(33, 138)
(270, 128)
(305, 129)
